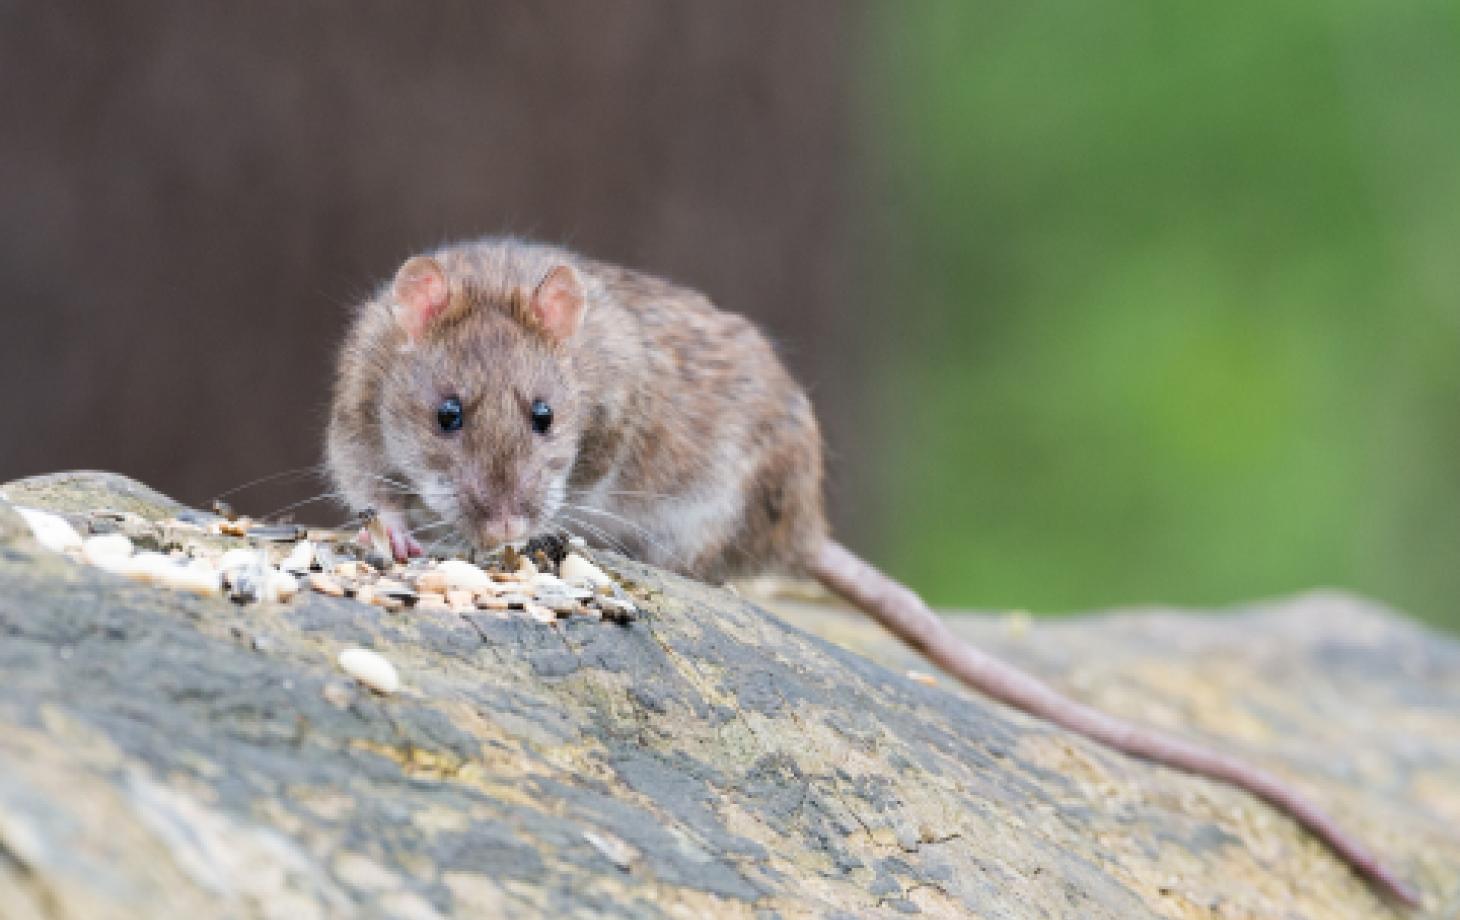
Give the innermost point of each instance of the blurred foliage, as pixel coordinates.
(1176, 299)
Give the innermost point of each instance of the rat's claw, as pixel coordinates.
(386, 534)
(402, 545)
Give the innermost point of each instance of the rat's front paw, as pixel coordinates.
(386, 534)
(404, 546)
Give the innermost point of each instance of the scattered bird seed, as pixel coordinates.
(558, 603)
(106, 548)
(619, 852)
(234, 528)
(463, 575)
(244, 585)
(397, 592)
(433, 582)
(371, 669)
(279, 587)
(198, 579)
(326, 584)
(561, 583)
(147, 567)
(52, 531)
(460, 599)
(300, 558)
(922, 677)
(577, 570)
(617, 610)
(551, 546)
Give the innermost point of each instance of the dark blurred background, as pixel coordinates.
(1100, 305)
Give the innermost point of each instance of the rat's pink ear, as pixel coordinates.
(558, 303)
(421, 293)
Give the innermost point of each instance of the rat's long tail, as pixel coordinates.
(904, 614)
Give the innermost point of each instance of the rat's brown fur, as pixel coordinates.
(678, 436)
(667, 412)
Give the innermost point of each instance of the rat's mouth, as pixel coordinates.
(493, 532)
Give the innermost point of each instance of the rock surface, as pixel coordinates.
(168, 755)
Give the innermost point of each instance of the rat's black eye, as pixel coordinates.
(449, 414)
(542, 416)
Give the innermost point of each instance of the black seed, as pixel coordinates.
(550, 545)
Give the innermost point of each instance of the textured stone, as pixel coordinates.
(165, 754)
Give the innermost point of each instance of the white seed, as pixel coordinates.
(558, 603)
(147, 567)
(195, 578)
(432, 582)
(576, 569)
(52, 531)
(325, 584)
(541, 614)
(577, 542)
(106, 547)
(460, 600)
(279, 587)
(371, 669)
(463, 575)
(300, 558)
(617, 851)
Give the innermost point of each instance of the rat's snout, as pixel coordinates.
(509, 529)
(495, 517)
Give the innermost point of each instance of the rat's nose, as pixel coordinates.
(504, 529)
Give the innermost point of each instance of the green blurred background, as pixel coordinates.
(1176, 299)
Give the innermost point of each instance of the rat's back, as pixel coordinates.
(716, 454)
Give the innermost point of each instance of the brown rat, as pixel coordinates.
(499, 388)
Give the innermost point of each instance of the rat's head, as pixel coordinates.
(480, 410)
